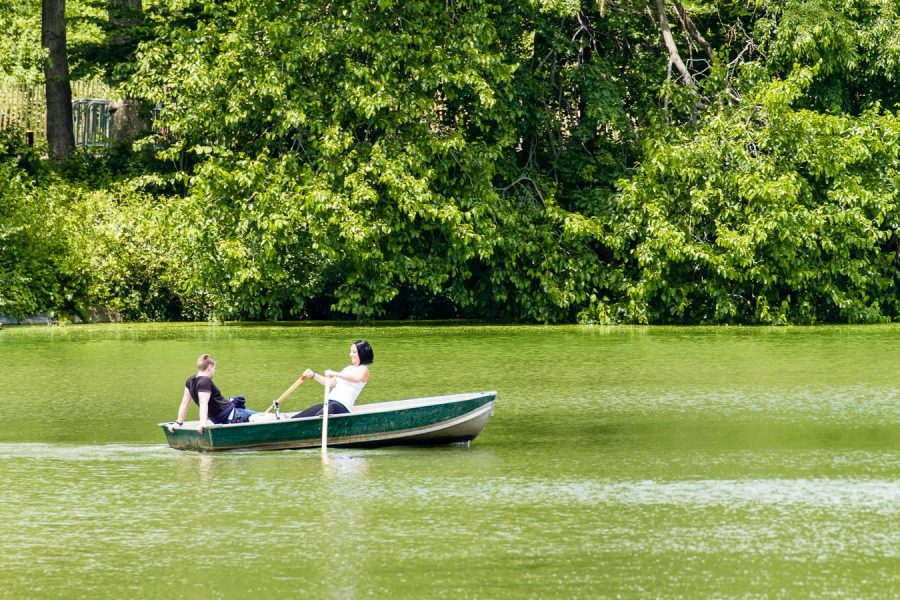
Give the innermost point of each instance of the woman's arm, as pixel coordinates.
(354, 374)
(322, 379)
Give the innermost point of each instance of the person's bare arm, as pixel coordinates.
(182, 410)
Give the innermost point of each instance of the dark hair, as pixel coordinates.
(366, 354)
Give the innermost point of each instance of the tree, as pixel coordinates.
(549, 160)
(125, 18)
(60, 134)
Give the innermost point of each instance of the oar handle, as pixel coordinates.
(287, 392)
(325, 416)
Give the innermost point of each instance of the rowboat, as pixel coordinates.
(434, 420)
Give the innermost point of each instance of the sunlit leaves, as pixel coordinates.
(512, 161)
(767, 214)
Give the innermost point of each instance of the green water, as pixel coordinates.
(620, 462)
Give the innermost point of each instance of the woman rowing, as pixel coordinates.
(345, 385)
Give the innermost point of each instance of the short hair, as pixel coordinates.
(204, 361)
(366, 354)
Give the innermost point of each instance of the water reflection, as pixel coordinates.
(205, 467)
(343, 512)
(336, 465)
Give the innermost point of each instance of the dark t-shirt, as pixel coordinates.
(200, 383)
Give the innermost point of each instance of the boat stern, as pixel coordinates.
(187, 437)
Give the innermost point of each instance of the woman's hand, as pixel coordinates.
(308, 373)
(330, 373)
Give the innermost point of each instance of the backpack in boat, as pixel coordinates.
(228, 415)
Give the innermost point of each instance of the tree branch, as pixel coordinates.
(688, 25)
(669, 41)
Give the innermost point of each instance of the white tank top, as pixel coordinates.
(346, 392)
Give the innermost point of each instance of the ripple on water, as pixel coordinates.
(82, 452)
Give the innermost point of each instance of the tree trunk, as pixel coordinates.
(123, 15)
(60, 135)
(126, 122)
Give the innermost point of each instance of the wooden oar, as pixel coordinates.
(286, 393)
(325, 418)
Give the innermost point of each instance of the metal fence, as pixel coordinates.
(90, 119)
(25, 107)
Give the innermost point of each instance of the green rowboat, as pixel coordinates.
(421, 421)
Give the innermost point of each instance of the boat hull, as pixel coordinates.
(423, 421)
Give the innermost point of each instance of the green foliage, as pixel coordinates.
(530, 161)
(354, 153)
(21, 56)
(77, 240)
(855, 45)
(766, 214)
(88, 32)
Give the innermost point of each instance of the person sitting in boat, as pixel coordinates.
(345, 385)
(213, 405)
